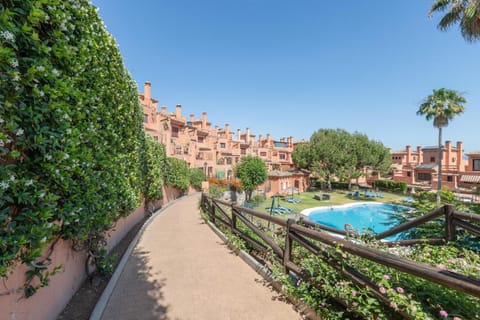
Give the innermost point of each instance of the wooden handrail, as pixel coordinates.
(305, 233)
(410, 224)
(467, 216)
(446, 278)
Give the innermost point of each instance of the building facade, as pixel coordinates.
(217, 150)
(419, 167)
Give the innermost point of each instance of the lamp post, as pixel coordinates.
(205, 168)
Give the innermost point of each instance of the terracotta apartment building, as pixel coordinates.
(419, 167)
(217, 150)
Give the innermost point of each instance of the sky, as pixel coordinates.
(290, 68)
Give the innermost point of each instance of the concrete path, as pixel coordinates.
(181, 270)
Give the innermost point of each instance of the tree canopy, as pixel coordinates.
(338, 153)
(464, 12)
(252, 172)
(441, 106)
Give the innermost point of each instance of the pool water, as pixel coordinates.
(371, 217)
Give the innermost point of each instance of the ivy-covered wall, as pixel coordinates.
(71, 136)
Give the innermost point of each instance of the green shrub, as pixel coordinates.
(177, 174)
(155, 162)
(196, 177)
(390, 185)
(70, 131)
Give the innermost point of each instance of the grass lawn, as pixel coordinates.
(336, 198)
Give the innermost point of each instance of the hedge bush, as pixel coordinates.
(177, 174)
(70, 131)
(389, 185)
(155, 161)
(196, 177)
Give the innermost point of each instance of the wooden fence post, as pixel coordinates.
(449, 225)
(233, 224)
(287, 254)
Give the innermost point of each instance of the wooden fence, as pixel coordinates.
(309, 235)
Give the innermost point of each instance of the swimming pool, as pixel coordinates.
(374, 217)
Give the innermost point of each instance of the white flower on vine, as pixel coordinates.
(29, 182)
(42, 195)
(66, 156)
(41, 68)
(69, 131)
(55, 72)
(12, 178)
(14, 63)
(7, 35)
(20, 132)
(4, 185)
(42, 94)
(48, 157)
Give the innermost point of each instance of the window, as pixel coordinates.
(175, 132)
(409, 173)
(414, 158)
(201, 139)
(424, 176)
(229, 160)
(283, 156)
(432, 159)
(263, 154)
(145, 118)
(222, 145)
(449, 178)
(476, 165)
(454, 159)
(243, 151)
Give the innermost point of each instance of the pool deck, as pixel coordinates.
(178, 268)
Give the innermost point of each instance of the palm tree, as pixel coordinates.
(464, 12)
(442, 106)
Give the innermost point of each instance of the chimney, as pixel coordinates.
(247, 136)
(204, 120)
(239, 134)
(290, 142)
(420, 154)
(178, 111)
(260, 138)
(192, 118)
(459, 155)
(147, 91)
(163, 111)
(409, 154)
(448, 147)
(268, 140)
(227, 130)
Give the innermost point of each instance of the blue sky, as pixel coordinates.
(293, 67)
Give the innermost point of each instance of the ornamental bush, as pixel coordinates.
(70, 131)
(196, 177)
(398, 186)
(177, 174)
(155, 161)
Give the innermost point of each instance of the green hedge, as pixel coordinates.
(197, 176)
(389, 185)
(177, 174)
(155, 169)
(71, 133)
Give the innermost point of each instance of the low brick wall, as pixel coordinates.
(49, 302)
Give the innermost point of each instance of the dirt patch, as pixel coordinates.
(83, 302)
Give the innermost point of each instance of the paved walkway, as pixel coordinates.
(181, 270)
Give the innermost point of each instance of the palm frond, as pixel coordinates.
(439, 6)
(450, 19)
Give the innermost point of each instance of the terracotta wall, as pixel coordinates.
(50, 301)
